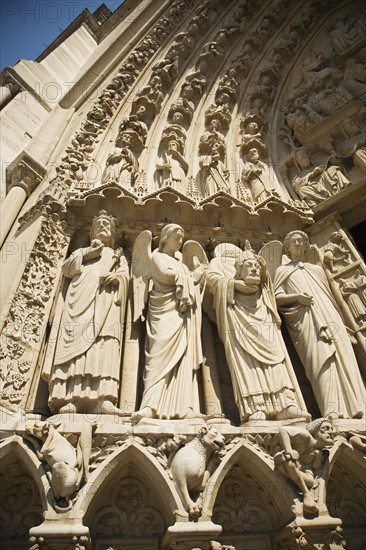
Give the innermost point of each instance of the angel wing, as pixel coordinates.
(193, 255)
(272, 254)
(141, 272)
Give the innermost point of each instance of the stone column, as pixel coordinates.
(23, 176)
(210, 373)
(130, 365)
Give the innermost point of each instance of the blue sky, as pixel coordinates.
(27, 27)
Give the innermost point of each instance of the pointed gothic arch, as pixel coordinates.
(25, 493)
(261, 470)
(129, 498)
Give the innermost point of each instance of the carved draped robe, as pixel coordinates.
(248, 326)
(173, 344)
(87, 359)
(321, 340)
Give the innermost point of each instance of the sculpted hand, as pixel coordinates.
(109, 279)
(318, 171)
(242, 287)
(291, 455)
(305, 299)
(198, 273)
(94, 250)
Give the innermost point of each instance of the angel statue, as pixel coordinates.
(317, 330)
(264, 383)
(173, 351)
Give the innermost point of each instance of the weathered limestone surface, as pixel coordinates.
(183, 299)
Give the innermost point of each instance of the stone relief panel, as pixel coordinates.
(21, 505)
(127, 513)
(244, 506)
(322, 117)
(26, 322)
(345, 500)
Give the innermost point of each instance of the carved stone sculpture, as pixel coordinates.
(252, 135)
(193, 464)
(213, 175)
(301, 456)
(173, 351)
(354, 78)
(86, 369)
(336, 255)
(248, 324)
(255, 174)
(315, 184)
(121, 165)
(354, 291)
(318, 332)
(172, 167)
(68, 466)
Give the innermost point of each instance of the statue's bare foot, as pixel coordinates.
(68, 408)
(145, 412)
(292, 411)
(192, 414)
(107, 407)
(309, 504)
(258, 415)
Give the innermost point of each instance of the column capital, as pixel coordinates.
(24, 172)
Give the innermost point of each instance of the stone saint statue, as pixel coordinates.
(173, 352)
(263, 379)
(86, 368)
(319, 335)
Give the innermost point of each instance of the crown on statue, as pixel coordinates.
(109, 217)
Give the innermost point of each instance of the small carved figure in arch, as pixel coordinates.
(256, 175)
(121, 165)
(213, 176)
(68, 467)
(336, 255)
(354, 291)
(251, 135)
(172, 167)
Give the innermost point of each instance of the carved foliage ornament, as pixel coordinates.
(26, 322)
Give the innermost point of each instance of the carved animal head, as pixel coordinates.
(39, 429)
(211, 438)
(63, 480)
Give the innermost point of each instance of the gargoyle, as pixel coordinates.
(193, 464)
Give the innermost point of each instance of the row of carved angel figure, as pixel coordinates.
(171, 289)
